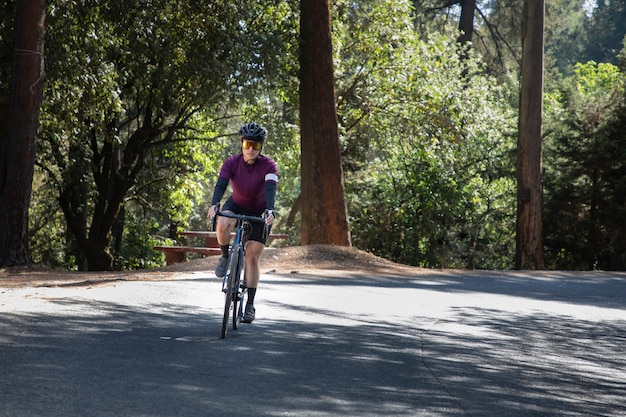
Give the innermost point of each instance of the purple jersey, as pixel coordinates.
(248, 181)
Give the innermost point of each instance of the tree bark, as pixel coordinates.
(466, 21)
(17, 148)
(529, 241)
(324, 208)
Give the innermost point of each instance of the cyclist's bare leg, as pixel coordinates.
(224, 227)
(253, 260)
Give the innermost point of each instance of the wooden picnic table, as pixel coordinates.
(210, 238)
(177, 254)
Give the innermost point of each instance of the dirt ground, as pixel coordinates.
(314, 259)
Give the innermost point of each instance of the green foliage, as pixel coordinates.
(428, 138)
(125, 107)
(566, 30)
(605, 31)
(144, 96)
(427, 152)
(585, 211)
(47, 226)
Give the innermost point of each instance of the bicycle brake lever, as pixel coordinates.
(214, 221)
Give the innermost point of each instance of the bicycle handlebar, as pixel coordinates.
(244, 217)
(241, 217)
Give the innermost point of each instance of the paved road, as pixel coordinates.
(439, 344)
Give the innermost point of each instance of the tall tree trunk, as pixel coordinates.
(17, 148)
(466, 22)
(466, 27)
(323, 201)
(529, 247)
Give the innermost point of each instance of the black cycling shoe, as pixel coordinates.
(248, 317)
(220, 271)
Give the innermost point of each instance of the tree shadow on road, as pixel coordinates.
(97, 358)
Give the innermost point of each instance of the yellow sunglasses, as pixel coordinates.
(247, 144)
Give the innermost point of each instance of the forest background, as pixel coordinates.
(428, 125)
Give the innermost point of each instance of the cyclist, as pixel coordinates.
(253, 178)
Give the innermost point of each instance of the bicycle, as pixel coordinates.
(232, 286)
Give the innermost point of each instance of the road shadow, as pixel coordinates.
(122, 361)
(97, 358)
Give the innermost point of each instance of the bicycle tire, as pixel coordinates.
(236, 291)
(228, 297)
(230, 289)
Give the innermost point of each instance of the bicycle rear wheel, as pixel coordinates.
(231, 291)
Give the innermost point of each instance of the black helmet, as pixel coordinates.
(253, 131)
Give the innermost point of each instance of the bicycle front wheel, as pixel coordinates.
(231, 291)
(239, 292)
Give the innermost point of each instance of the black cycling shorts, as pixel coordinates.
(257, 227)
